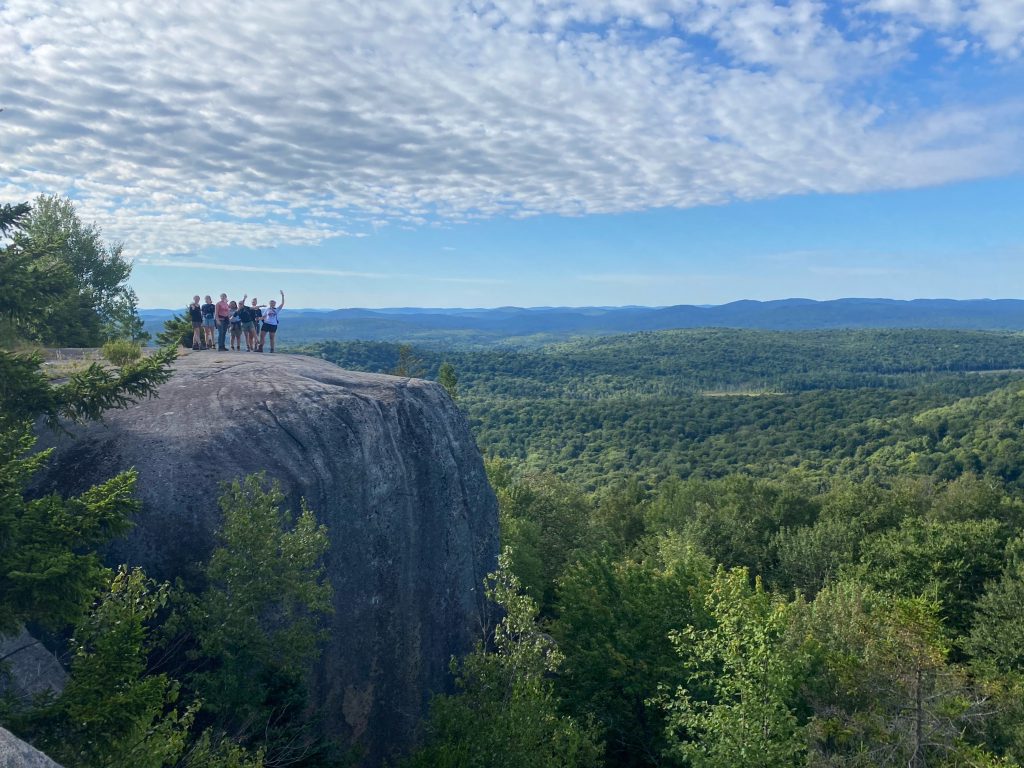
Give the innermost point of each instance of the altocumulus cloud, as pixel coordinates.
(188, 125)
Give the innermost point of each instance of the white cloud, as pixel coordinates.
(998, 23)
(180, 127)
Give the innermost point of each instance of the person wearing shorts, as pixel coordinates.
(209, 320)
(257, 317)
(195, 312)
(245, 314)
(236, 327)
(270, 320)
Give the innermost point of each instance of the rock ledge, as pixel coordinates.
(388, 464)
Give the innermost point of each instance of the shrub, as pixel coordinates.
(120, 352)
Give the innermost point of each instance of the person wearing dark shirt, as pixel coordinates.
(236, 327)
(257, 317)
(245, 313)
(209, 320)
(195, 312)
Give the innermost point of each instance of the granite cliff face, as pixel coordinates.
(388, 464)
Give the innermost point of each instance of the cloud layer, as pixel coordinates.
(180, 127)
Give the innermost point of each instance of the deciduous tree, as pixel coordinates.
(737, 708)
(505, 714)
(98, 304)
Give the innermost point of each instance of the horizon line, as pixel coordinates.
(407, 308)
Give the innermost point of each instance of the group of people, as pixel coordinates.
(253, 321)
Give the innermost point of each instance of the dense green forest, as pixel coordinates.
(709, 402)
(751, 548)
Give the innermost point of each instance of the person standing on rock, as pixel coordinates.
(257, 316)
(209, 320)
(223, 320)
(270, 321)
(245, 313)
(236, 327)
(195, 312)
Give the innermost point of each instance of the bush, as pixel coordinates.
(121, 352)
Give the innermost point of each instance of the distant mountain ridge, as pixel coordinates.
(536, 325)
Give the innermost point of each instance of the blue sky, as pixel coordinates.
(961, 240)
(530, 152)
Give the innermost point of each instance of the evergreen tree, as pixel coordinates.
(258, 624)
(177, 332)
(113, 713)
(447, 378)
(997, 638)
(948, 561)
(48, 567)
(996, 644)
(409, 364)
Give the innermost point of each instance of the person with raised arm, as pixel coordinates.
(271, 319)
(245, 314)
(257, 316)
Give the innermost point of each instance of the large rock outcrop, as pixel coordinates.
(388, 464)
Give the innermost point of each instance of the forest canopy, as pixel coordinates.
(758, 548)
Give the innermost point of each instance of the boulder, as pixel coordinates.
(387, 463)
(15, 753)
(27, 669)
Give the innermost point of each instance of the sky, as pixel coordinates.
(529, 152)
